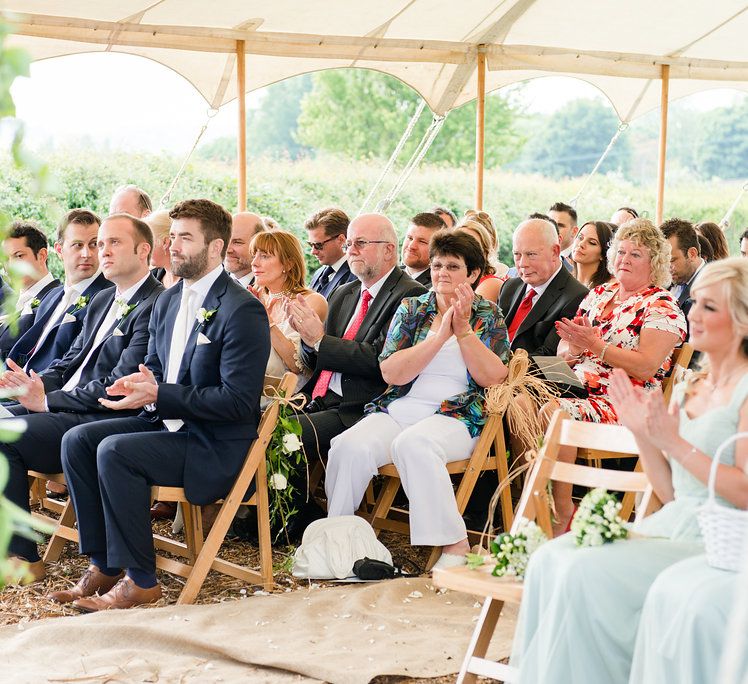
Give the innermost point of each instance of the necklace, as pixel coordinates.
(279, 295)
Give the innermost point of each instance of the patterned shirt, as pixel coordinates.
(411, 324)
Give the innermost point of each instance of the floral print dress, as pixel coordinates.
(652, 308)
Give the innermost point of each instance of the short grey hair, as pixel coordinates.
(546, 229)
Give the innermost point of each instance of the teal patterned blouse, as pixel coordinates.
(411, 324)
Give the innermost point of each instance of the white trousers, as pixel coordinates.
(419, 452)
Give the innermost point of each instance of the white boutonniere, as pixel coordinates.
(203, 317)
(80, 303)
(123, 308)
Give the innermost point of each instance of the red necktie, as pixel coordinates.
(323, 381)
(523, 309)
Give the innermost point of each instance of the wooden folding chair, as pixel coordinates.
(489, 453)
(65, 530)
(202, 553)
(535, 505)
(681, 358)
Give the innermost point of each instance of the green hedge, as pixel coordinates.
(290, 191)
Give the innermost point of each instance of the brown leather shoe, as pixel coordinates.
(93, 582)
(163, 510)
(124, 594)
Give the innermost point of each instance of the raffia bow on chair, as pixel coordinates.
(519, 399)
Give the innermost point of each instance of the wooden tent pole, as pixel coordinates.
(480, 128)
(241, 137)
(663, 143)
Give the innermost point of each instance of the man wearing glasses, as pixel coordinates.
(327, 231)
(344, 351)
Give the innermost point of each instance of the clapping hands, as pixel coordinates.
(578, 333)
(30, 388)
(304, 320)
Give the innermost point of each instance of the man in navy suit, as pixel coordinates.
(327, 230)
(200, 390)
(59, 318)
(27, 243)
(112, 344)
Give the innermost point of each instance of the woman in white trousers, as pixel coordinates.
(442, 349)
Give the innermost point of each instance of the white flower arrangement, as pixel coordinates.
(512, 551)
(597, 520)
(123, 308)
(204, 315)
(291, 443)
(278, 481)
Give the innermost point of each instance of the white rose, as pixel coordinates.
(278, 481)
(291, 443)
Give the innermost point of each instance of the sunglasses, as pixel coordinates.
(320, 245)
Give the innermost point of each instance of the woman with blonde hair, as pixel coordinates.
(484, 218)
(632, 323)
(160, 225)
(280, 274)
(490, 284)
(581, 607)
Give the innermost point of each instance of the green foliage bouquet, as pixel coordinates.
(284, 455)
(596, 521)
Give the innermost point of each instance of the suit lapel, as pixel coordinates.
(99, 319)
(376, 306)
(545, 301)
(212, 301)
(347, 307)
(514, 303)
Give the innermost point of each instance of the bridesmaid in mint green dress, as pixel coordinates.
(581, 608)
(684, 625)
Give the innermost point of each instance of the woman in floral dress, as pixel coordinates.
(632, 323)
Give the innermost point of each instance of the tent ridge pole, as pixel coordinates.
(480, 127)
(663, 143)
(241, 134)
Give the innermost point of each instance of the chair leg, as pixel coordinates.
(57, 543)
(479, 642)
(193, 529)
(263, 527)
(384, 502)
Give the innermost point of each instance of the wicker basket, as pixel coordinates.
(725, 529)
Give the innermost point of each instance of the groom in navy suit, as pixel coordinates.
(59, 318)
(200, 392)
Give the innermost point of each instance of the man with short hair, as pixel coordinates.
(326, 231)
(238, 262)
(446, 215)
(26, 243)
(543, 293)
(344, 351)
(565, 217)
(59, 318)
(685, 259)
(112, 343)
(199, 389)
(415, 253)
(130, 199)
(623, 215)
(743, 242)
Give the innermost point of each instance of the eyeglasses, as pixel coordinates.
(362, 244)
(320, 245)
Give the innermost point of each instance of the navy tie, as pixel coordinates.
(324, 280)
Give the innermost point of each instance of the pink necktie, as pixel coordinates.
(323, 381)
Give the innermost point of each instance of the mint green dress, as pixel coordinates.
(683, 627)
(581, 608)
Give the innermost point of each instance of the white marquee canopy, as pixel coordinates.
(432, 45)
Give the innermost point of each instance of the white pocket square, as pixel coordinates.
(68, 318)
(118, 333)
(202, 339)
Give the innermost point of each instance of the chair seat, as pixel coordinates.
(59, 478)
(480, 582)
(453, 468)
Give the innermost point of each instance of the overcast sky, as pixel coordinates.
(126, 102)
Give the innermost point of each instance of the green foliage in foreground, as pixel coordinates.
(290, 191)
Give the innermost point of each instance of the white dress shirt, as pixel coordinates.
(539, 289)
(23, 305)
(192, 299)
(245, 281)
(335, 380)
(104, 329)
